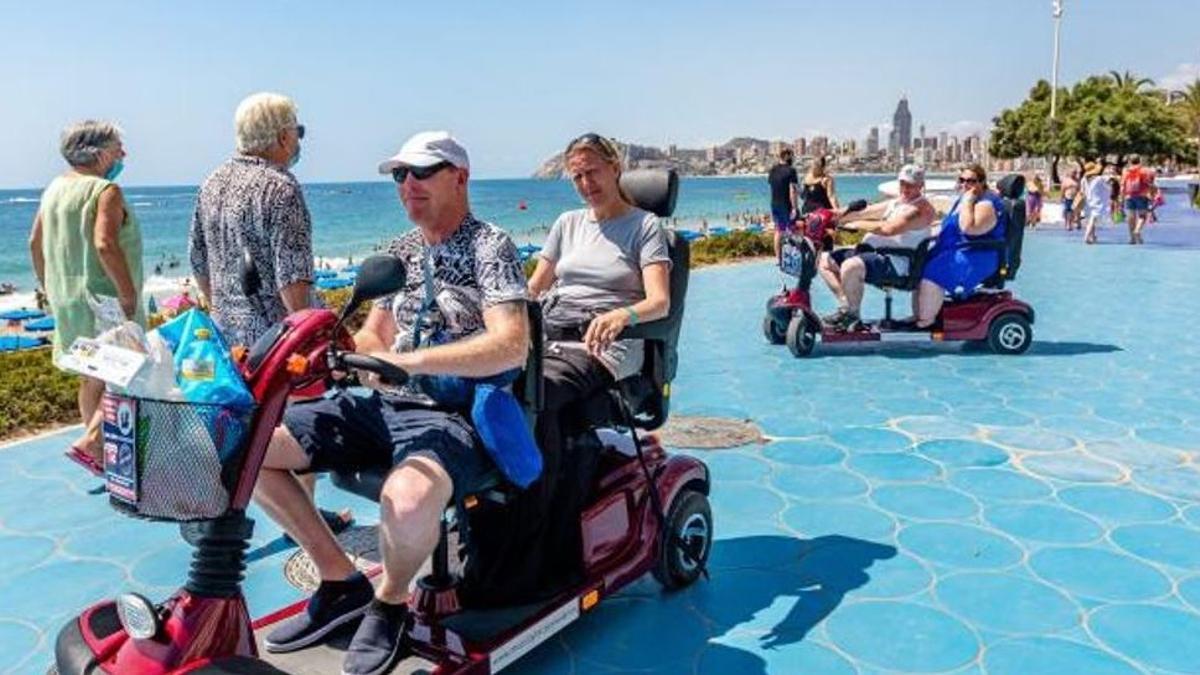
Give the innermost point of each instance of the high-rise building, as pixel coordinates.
(902, 123)
(819, 146)
(873, 141)
(800, 146)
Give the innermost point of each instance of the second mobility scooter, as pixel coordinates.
(988, 315)
(647, 512)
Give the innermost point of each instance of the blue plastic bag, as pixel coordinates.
(497, 417)
(226, 387)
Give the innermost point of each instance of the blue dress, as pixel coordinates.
(952, 264)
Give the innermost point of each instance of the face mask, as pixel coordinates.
(295, 157)
(114, 170)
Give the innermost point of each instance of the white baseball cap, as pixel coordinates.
(426, 149)
(911, 173)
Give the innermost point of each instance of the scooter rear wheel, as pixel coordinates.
(773, 332)
(687, 542)
(801, 337)
(1010, 334)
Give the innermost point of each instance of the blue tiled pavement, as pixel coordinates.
(918, 509)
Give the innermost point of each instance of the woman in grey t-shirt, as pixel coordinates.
(603, 268)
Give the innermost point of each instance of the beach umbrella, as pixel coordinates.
(13, 343)
(351, 269)
(324, 274)
(21, 314)
(177, 304)
(330, 284)
(42, 324)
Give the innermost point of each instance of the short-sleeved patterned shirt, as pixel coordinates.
(249, 202)
(475, 269)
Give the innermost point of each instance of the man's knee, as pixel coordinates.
(418, 485)
(854, 269)
(285, 452)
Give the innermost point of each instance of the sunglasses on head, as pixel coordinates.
(400, 173)
(594, 140)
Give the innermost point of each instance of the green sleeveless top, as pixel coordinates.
(73, 270)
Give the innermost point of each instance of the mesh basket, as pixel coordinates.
(167, 460)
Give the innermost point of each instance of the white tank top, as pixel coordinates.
(908, 239)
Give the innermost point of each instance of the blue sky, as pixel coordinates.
(516, 80)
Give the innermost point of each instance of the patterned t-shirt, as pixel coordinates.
(449, 284)
(249, 202)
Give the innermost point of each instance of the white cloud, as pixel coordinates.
(964, 128)
(1183, 75)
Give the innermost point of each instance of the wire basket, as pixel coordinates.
(174, 461)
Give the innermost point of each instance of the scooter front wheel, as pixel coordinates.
(801, 336)
(1010, 334)
(773, 332)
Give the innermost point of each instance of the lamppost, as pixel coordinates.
(1057, 14)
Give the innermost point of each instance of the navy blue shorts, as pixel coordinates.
(360, 429)
(1139, 203)
(782, 218)
(880, 269)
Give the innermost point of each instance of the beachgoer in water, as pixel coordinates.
(87, 244)
(817, 190)
(978, 214)
(783, 181)
(902, 222)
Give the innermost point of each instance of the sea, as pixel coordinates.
(351, 219)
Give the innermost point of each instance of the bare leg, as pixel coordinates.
(778, 247)
(1144, 217)
(1132, 220)
(411, 505)
(1089, 234)
(829, 271)
(91, 391)
(854, 276)
(281, 494)
(929, 303)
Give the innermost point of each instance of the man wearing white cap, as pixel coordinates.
(461, 313)
(894, 223)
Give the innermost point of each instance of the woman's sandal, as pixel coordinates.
(82, 458)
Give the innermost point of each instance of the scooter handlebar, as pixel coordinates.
(388, 372)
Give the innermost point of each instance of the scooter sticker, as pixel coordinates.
(120, 447)
(523, 642)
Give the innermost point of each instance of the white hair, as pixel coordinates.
(259, 119)
(82, 142)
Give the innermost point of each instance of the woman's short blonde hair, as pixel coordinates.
(82, 142)
(259, 119)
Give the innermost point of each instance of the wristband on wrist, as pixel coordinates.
(633, 316)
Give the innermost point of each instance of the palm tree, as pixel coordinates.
(1189, 107)
(1129, 81)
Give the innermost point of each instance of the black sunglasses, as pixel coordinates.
(595, 140)
(419, 172)
(967, 181)
(299, 131)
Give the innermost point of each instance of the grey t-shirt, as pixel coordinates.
(599, 268)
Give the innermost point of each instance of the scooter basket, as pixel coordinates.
(172, 461)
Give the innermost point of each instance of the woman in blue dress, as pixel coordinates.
(954, 266)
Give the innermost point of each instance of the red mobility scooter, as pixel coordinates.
(648, 511)
(989, 315)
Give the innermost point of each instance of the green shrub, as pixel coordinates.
(34, 395)
(732, 246)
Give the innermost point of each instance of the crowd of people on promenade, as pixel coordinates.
(1101, 195)
(461, 314)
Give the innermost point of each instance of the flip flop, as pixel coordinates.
(82, 458)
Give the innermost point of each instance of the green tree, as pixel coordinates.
(1026, 130)
(1129, 82)
(1188, 108)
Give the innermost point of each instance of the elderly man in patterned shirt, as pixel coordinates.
(461, 313)
(253, 203)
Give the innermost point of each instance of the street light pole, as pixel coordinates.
(1057, 13)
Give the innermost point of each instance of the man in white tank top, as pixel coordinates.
(895, 223)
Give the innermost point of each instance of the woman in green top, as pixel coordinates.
(86, 244)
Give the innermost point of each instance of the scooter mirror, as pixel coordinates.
(248, 272)
(856, 205)
(378, 276)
